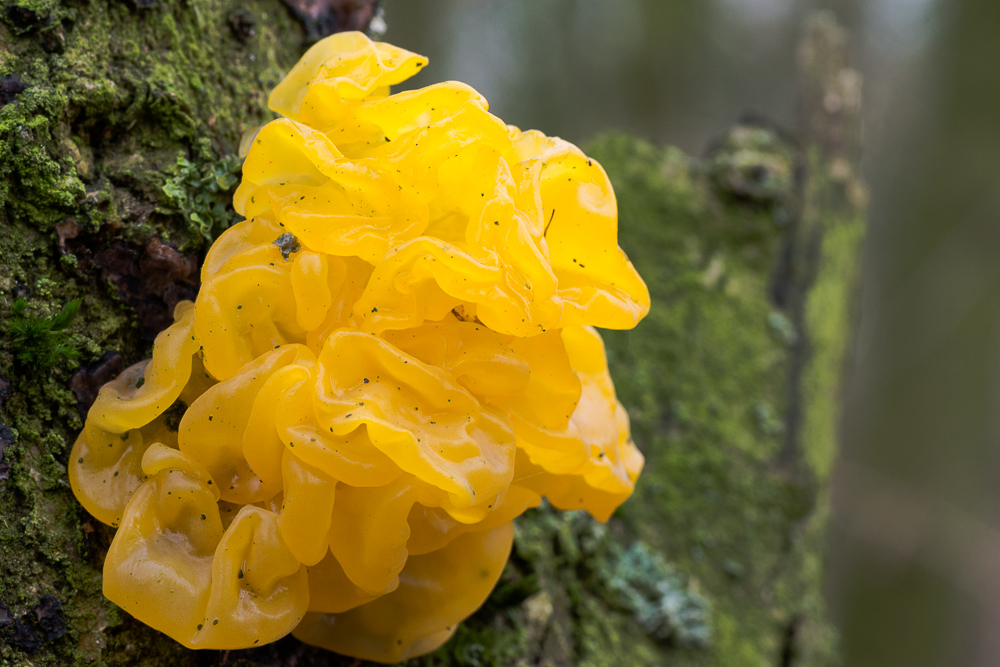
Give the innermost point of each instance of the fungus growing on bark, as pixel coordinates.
(389, 360)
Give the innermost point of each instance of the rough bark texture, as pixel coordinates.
(118, 132)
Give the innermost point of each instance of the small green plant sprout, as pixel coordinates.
(40, 341)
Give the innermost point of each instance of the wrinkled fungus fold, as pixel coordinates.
(389, 360)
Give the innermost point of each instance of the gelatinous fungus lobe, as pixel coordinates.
(387, 362)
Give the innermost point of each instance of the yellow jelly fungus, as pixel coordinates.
(388, 361)
(173, 566)
(436, 591)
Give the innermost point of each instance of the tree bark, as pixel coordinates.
(118, 138)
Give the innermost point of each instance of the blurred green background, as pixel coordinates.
(676, 72)
(915, 555)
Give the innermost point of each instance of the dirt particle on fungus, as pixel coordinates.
(287, 243)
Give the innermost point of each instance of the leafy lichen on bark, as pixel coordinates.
(127, 110)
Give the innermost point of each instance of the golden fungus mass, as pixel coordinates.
(389, 360)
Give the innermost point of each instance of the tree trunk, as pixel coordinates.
(119, 129)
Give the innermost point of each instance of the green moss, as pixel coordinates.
(26, 16)
(36, 183)
(708, 381)
(755, 165)
(113, 96)
(828, 316)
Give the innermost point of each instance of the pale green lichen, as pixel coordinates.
(668, 609)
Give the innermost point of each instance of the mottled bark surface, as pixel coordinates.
(119, 124)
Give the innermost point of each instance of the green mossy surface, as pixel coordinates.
(735, 489)
(128, 126)
(120, 102)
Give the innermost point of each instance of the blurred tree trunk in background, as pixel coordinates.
(119, 126)
(917, 546)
